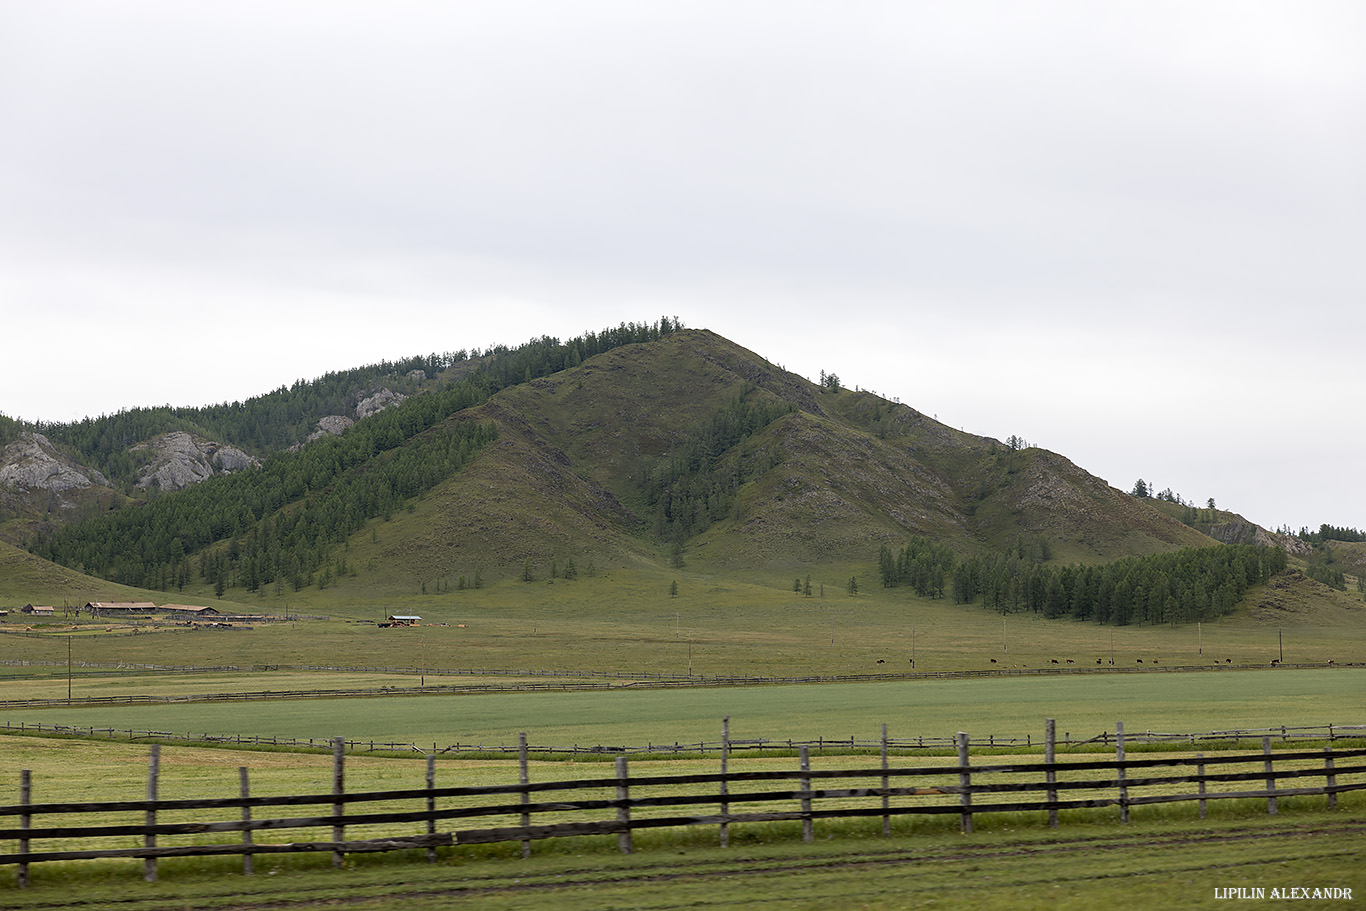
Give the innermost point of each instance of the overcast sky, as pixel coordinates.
(1131, 233)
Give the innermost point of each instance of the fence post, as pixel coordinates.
(725, 790)
(524, 779)
(149, 864)
(1332, 779)
(964, 783)
(1051, 776)
(1200, 771)
(1270, 778)
(886, 801)
(431, 805)
(25, 798)
(623, 806)
(808, 829)
(1119, 766)
(338, 788)
(244, 788)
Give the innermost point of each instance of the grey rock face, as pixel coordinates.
(178, 460)
(384, 398)
(331, 425)
(31, 463)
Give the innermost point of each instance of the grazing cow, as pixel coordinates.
(1274, 662)
(1054, 660)
(1228, 660)
(1154, 661)
(1098, 661)
(1140, 660)
(881, 661)
(1070, 661)
(993, 660)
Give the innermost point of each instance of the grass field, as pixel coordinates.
(626, 621)
(1161, 866)
(1083, 705)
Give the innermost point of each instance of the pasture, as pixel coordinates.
(1083, 705)
(628, 624)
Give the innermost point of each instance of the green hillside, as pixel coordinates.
(647, 448)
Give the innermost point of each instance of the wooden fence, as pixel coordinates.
(622, 803)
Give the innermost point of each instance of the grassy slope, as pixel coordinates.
(26, 579)
(562, 480)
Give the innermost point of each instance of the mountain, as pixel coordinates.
(829, 478)
(645, 445)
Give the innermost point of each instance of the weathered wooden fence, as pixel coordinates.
(622, 803)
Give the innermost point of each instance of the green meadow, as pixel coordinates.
(739, 624)
(1083, 705)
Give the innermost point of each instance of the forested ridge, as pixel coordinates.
(285, 417)
(1183, 586)
(282, 524)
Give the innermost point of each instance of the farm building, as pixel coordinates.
(119, 608)
(402, 620)
(39, 611)
(188, 610)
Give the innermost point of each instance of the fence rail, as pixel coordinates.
(623, 802)
(1283, 734)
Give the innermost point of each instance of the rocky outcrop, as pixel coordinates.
(1246, 533)
(377, 402)
(336, 424)
(31, 463)
(330, 426)
(177, 460)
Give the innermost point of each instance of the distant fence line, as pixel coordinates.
(1281, 734)
(623, 803)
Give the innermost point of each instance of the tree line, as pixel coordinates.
(286, 416)
(698, 483)
(284, 523)
(1331, 533)
(285, 519)
(1196, 583)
